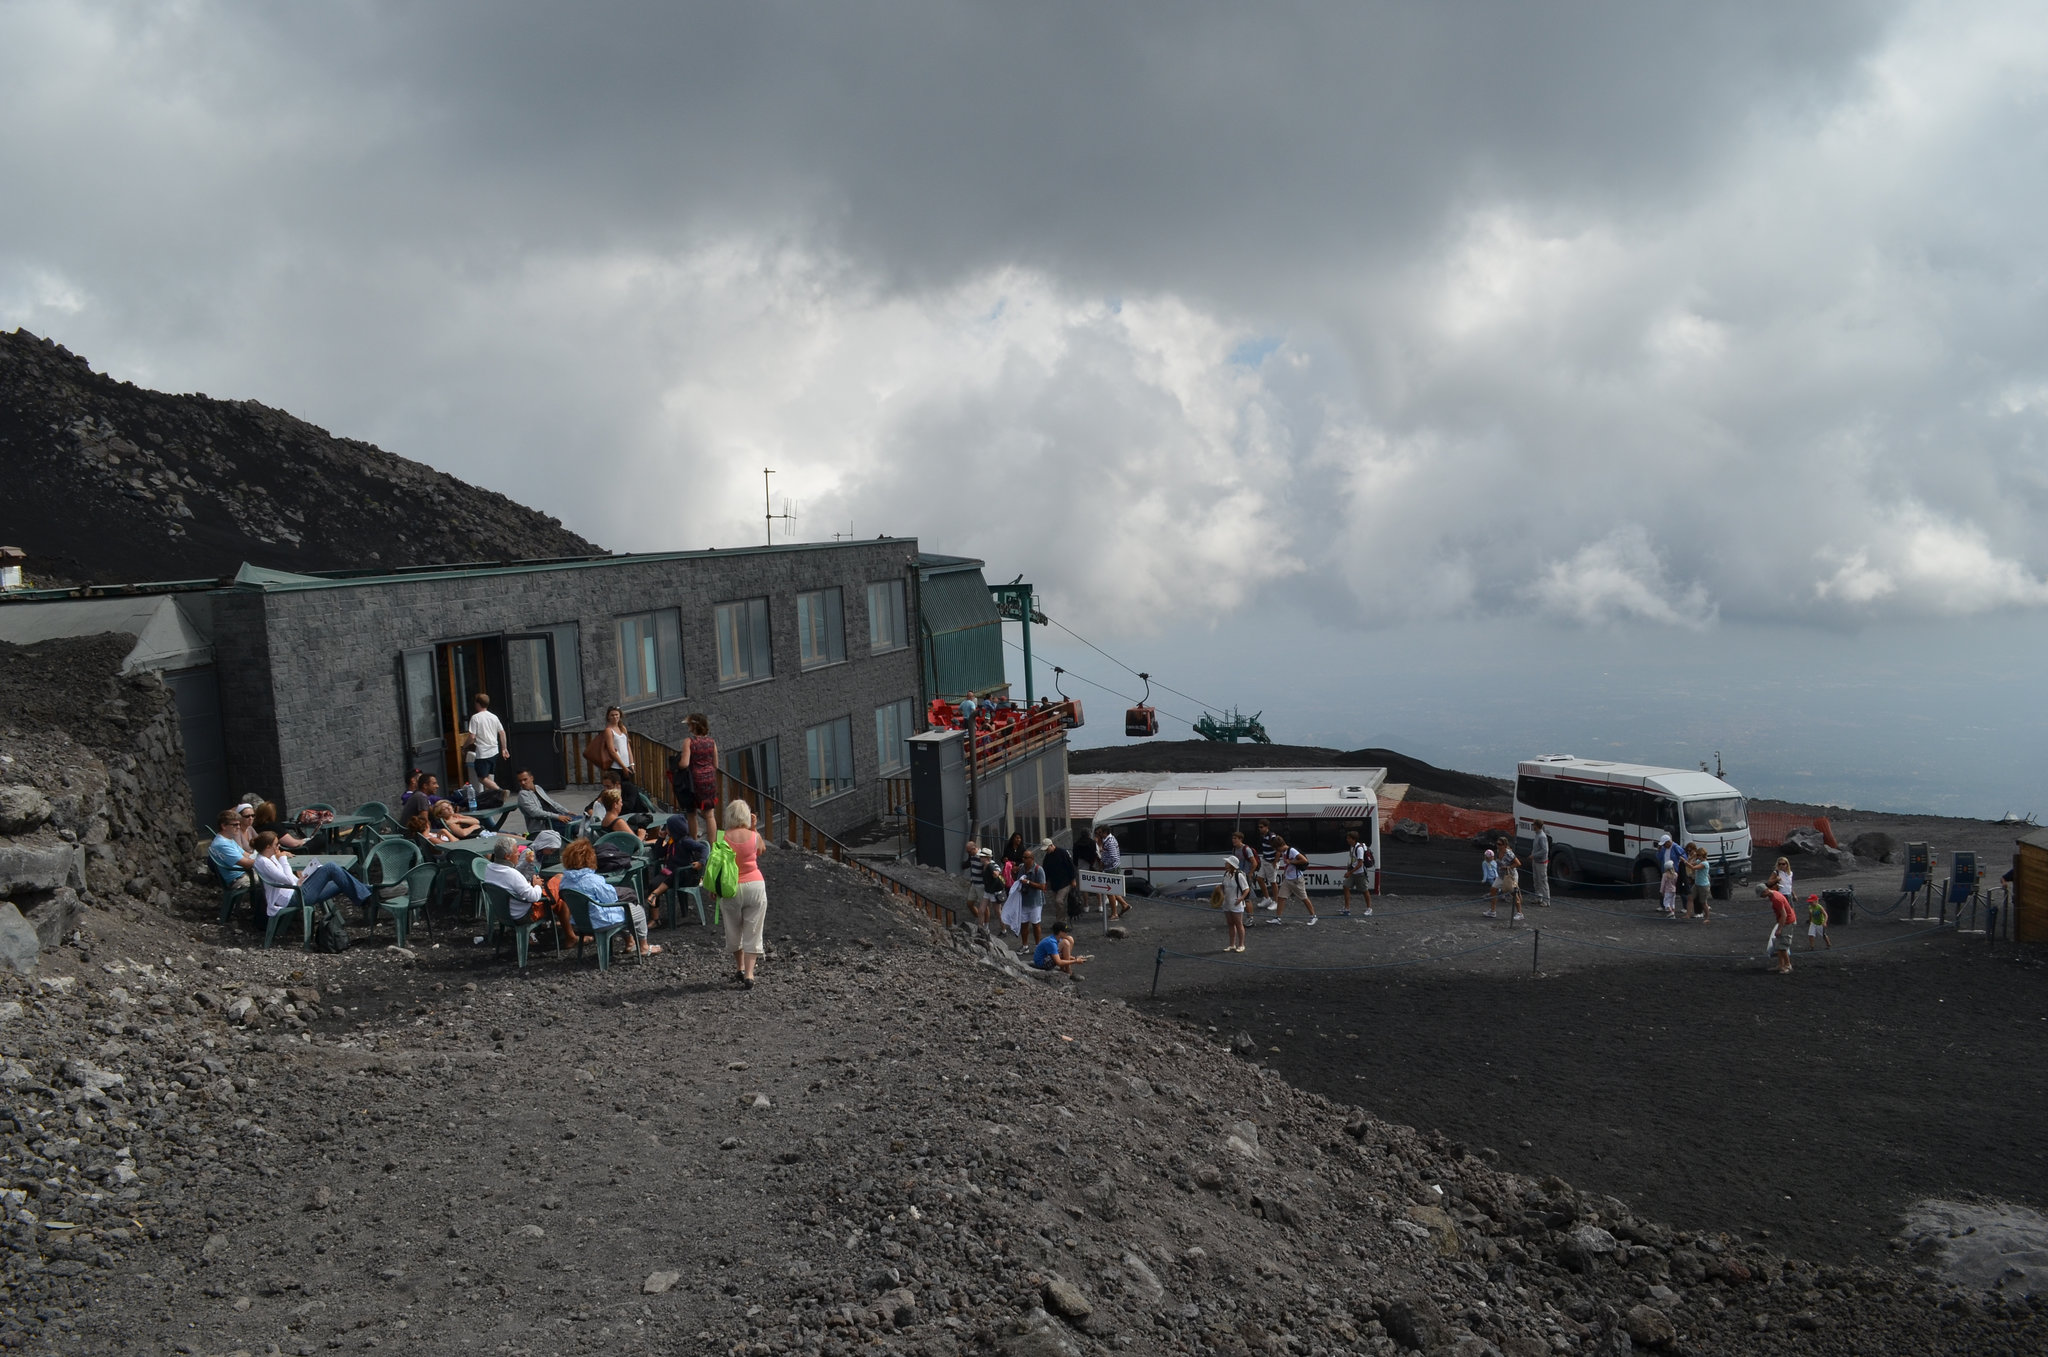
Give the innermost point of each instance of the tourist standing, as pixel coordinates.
(1489, 874)
(611, 749)
(1115, 906)
(1086, 859)
(1267, 846)
(1031, 884)
(487, 742)
(1237, 893)
(699, 777)
(1510, 876)
(1358, 871)
(1817, 923)
(1702, 883)
(746, 914)
(1059, 877)
(1539, 860)
(1783, 920)
(1288, 864)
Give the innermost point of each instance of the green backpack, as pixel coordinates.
(722, 868)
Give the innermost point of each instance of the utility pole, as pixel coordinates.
(1016, 602)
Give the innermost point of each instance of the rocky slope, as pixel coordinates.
(897, 1143)
(108, 482)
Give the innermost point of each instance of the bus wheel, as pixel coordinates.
(1564, 866)
(1648, 877)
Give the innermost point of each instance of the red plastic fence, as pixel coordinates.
(1768, 828)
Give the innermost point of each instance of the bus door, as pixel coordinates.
(1618, 802)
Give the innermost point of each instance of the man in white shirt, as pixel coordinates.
(317, 883)
(499, 871)
(487, 743)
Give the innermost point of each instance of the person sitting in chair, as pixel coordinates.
(539, 810)
(318, 883)
(454, 823)
(609, 906)
(681, 864)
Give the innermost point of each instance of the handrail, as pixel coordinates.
(800, 831)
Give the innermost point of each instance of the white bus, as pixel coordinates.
(1175, 836)
(1605, 818)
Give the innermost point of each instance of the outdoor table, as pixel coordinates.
(344, 822)
(302, 861)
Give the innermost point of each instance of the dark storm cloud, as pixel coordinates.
(1603, 311)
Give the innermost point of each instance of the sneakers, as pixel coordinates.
(1274, 923)
(1367, 911)
(1311, 921)
(1518, 918)
(1491, 915)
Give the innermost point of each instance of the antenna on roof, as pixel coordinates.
(768, 508)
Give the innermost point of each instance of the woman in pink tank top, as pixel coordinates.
(746, 914)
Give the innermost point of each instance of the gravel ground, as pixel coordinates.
(892, 1144)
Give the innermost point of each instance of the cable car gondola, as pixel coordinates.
(1142, 719)
(1070, 714)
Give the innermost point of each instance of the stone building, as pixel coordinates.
(330, 686)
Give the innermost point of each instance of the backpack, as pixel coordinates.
(315, 819)
(330, 934)
(611, 861)
(722, 871)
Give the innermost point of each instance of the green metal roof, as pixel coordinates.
(963, 634)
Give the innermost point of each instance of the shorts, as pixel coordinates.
(1034, 914)
(1264, 875)
(1296, 889)
(486, 767)
(1702, 894)
(1360, 881)
(1816, 930)
(1781, 939)
(1236, 908)
(745, 916)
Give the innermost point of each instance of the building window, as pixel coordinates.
(894, 725)
(757, 765)
(743, 641)
(650, 657)
(886, 630)
(820, 628)
(829, 749)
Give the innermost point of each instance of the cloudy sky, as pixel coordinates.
(1606, 315)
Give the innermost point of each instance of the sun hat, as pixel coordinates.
(1230, 860)
(1489, 852)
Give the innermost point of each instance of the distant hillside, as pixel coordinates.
(1206, 756)
(108, 482)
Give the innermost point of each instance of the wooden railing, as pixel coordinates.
(650, 763)
(772, 817)
(996, 742)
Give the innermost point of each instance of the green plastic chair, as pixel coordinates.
(419, 889)
(376, 808)
(385, 867)
(297, 906)
(229, 895)
(498, 908)
(579, 919)
(635, 874)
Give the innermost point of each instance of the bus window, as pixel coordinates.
(1216, 836)
(1132, 836)
(1328, 836)
(1663, 813)
(1176, 836)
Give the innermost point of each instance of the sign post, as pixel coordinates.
(1104, 884)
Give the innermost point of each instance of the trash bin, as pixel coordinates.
(1839, 905)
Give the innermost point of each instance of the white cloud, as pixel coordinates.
(1619, 579)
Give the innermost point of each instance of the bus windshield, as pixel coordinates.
(1718, 816)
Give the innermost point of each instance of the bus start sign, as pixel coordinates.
(1101, 883)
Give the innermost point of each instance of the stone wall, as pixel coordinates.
(310, 685)
(93, 802)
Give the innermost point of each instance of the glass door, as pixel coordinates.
(532, 711)
(425, 735)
